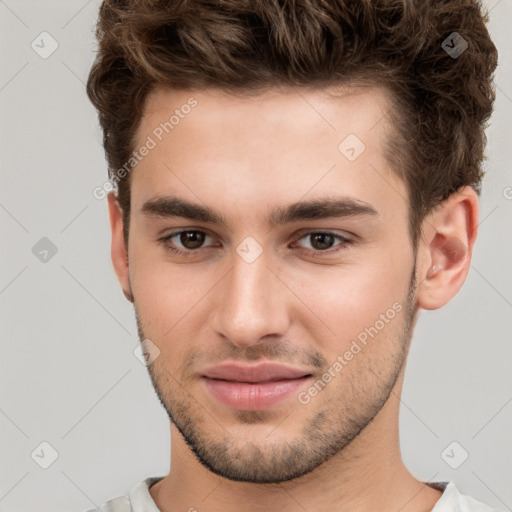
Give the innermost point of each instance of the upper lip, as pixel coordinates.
(262, 372)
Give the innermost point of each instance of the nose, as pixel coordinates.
(252, 303)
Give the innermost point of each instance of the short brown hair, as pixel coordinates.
(441, 103)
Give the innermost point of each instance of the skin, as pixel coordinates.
(243, 157)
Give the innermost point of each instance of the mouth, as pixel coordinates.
(253, 387)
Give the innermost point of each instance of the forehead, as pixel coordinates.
(274, 147)
(311, 112)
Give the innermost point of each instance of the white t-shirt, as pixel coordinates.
(139, 500)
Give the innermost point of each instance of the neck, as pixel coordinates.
(365, 475)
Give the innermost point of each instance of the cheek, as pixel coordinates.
(350, 299)
(167, 305)
(165, 293)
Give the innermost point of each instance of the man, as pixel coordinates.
(294, 182)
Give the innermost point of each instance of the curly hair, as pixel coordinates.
(441, 102)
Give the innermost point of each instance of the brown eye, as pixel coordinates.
(192, 239)
(321, 241)
(187, 242)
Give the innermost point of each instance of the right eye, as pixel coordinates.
(191, 241)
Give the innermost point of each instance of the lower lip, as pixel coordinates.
(252, 396)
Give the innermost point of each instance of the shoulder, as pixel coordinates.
(120, 504)
(138, 500)
(453, 501)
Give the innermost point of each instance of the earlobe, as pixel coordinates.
(446, 247)
(128, 294)
(118, 252)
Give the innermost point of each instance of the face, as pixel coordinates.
(224, 269)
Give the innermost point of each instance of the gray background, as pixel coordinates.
(68, 373)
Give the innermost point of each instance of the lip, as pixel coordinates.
(260, 372)
(253, 387)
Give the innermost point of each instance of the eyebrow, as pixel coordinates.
(171, 206)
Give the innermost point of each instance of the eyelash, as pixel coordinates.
(166, 242)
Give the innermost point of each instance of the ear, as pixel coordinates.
(445, 248)
(119, 251)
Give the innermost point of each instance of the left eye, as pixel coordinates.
(322, 241)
